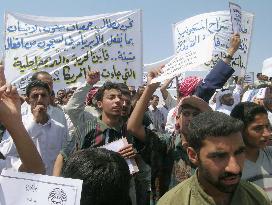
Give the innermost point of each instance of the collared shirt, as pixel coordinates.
(48, 139)
(89, 131)
(190, 192)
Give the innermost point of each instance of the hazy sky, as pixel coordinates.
(158, 16)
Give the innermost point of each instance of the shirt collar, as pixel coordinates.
(103, 126)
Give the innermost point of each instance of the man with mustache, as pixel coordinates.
(216, 147)
(47, 134)
(256, 135)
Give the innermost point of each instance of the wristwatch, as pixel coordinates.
(228, 56)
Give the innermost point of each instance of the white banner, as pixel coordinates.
(69, 47)
(190, 32)
(267, 67)
(188, 61)
(19, 188)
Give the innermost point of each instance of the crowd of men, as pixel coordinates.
(208, 145)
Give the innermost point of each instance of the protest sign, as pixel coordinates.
(267, 67)
(188, 61)
(116, 146)
(249, 78)
(19, 188)
(190, 32)
(68, 47)
(236, 17)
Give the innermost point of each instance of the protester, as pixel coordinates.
(105, 176)
(47, 134)
(256, 135)
(170, 152)
(216, 146)
(11, 119)
(155, 114)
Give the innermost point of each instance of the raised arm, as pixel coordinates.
(135, 122)
(164, 87)
(75, 107)
(219, 75)
(10, 117)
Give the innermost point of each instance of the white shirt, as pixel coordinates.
(171, 121)
(48, 139)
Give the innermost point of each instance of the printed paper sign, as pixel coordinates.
(249, 78)
(116, 146)
(18, 188)
(69, 47)
(188, 61)
(236, 17)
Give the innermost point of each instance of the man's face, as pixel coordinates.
(47, 79)
(258, 132)
(111, 103)
(126, 107)
(227, 99)
(185, 118)
(220, 163)
(38, 96)
(154, 102)
(61, 94)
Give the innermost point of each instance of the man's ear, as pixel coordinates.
(99, 104)
(192, 154)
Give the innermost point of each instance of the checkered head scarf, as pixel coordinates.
(188, 85)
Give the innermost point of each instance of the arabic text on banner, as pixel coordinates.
(69, 47)
(190, 32)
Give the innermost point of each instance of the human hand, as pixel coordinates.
(40, 114)
(127, 152)
(234, 44)
(153, 74)
(10, 106)
(93, 77)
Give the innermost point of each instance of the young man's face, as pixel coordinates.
(258, 132)
(154, 102)
(185, 117)
(38, 96)
(220, 163)
(111, 103)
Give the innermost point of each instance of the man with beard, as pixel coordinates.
(47, 134)
(168, 158)
(256, 135)
(226, 99)
(216, 146)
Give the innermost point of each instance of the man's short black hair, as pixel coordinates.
(259, 74)
(35, 75)
(106, 86)
(124, 89)
(211, 124)
(105, 176)
(36, 83)
(246, 112)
